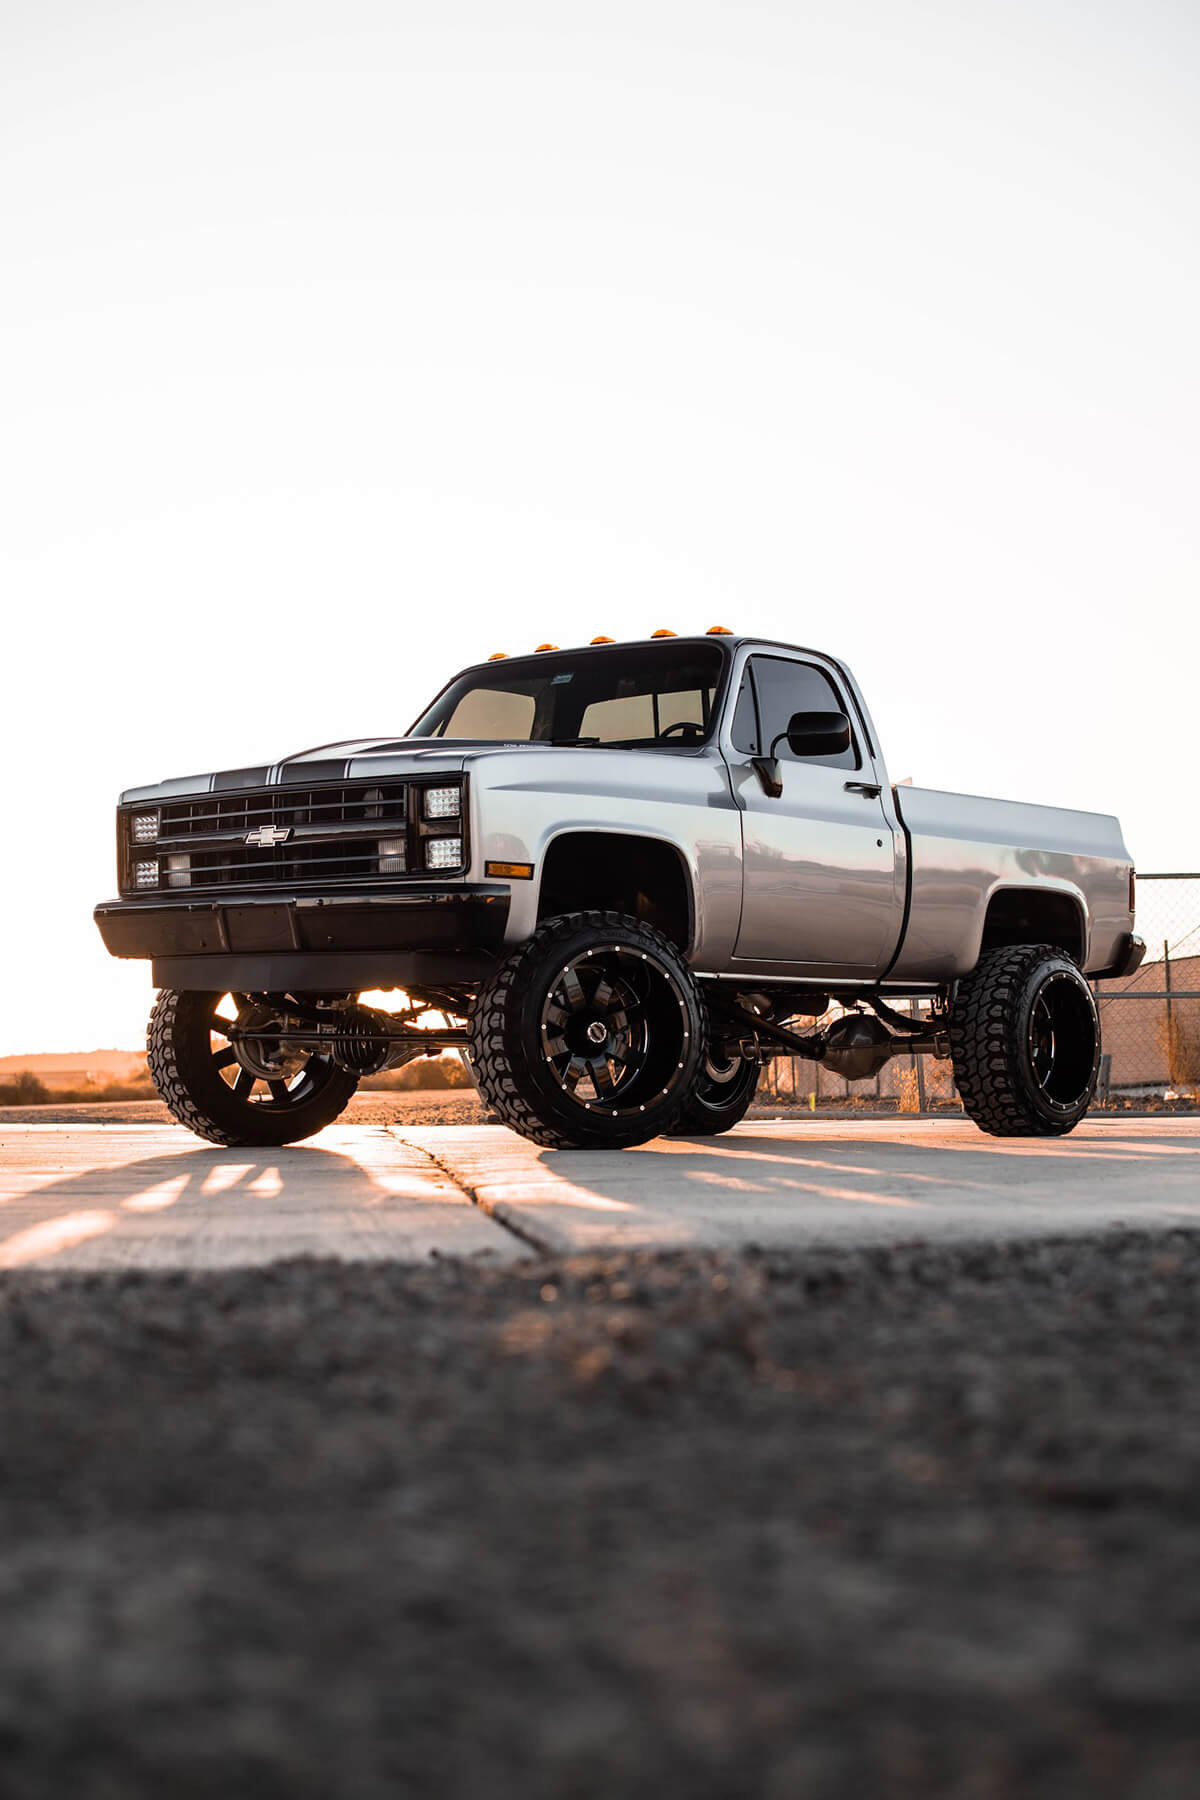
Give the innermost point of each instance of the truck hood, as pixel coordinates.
(357, 759)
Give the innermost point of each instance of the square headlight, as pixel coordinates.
(145, 874)
(144, 827)
(443, 853)
(443, 802)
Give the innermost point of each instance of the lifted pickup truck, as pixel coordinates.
(624, 875)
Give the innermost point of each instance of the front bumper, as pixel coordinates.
(333, 942)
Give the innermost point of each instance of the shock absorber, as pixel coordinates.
(360, 1043)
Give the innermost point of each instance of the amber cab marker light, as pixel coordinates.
(663, 632)
(603, 640)
(718, 631)
(498, 656)
(542, 647)
(510, 871)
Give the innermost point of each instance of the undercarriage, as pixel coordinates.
(755, 1025)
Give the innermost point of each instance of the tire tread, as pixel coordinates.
(168, 1055)
(499, 1087)
(983, 1044)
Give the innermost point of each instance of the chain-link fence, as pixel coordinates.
(1150, 1025)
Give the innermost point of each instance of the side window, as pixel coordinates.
(785, 688)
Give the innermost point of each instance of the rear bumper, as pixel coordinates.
(316, 943)
(1129, 956)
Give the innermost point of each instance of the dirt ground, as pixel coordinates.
(435, 1106)
(876, 1525)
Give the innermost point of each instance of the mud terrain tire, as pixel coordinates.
(187, 1073)
(535, 1034)
(1025, 1042)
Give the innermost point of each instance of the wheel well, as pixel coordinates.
(643, 877)
(1033, 916)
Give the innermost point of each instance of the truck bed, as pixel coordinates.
(963, 848)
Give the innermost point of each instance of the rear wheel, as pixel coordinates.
(719, 1100)
(590, 1035)
(260, 1091)
(1025, 1042)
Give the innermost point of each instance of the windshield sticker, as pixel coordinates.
(557, 680)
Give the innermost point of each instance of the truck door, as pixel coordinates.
(820, 888)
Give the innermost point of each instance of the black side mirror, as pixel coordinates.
(817, 734)
(807, 734)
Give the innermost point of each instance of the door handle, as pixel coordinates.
(868, 789)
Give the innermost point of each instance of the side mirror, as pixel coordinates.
(808, 734)
(817, 734)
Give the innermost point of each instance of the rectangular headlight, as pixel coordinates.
(144, 827)
(179, 871)
(443, 853)
(393, 856)
(443, 802)
(145, 874)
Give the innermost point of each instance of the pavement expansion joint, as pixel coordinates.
(494, 1210)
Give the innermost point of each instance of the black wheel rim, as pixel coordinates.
(1062, 1042)
(615, 1031)
(261, 1072)
(722, 1081)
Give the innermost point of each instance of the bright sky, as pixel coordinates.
(343, 345)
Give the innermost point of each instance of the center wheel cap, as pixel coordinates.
(597, 1031)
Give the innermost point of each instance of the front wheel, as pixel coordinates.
(590, 1036)
(264, 1092)
(1025, 1042)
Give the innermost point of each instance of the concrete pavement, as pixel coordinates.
(794, 1182)
(156, 1197)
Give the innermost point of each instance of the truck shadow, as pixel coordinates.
(136, 1213)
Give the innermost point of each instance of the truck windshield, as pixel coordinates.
(655, 693)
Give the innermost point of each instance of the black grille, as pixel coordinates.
(383, 802)
(248, 866)
(334, 835)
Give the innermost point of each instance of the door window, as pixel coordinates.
(773, 689)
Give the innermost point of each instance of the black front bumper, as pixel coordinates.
(326, 943)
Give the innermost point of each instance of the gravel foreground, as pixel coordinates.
(911, 1522)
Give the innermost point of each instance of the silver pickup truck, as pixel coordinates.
(618, 878)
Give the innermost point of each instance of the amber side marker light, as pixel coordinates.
(1132, 891)
(718, 631)
(510, 871)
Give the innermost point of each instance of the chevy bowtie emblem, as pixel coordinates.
(268, 835)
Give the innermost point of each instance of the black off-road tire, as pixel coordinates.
(179, 1052)
(716, 1105)
(1009, 1083)
(507, 1047)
